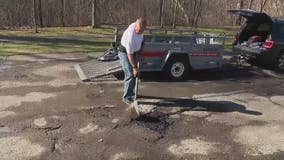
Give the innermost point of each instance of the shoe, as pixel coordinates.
(127, 101)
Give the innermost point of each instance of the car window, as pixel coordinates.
(278, 31)
(263, 28)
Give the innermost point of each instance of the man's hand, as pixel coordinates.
(135, 72)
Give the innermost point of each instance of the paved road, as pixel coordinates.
(47, 113)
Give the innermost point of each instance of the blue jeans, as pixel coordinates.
(129, 79)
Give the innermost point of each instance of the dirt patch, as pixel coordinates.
(19, 148)
(90, 128)
(279, 100)
(3, 67)
(62, 75)
(265, 140)
(199, 114)
(40, 122)
(54, 71)
(4, 114)
(5, 130)
(49, 57)
(192, 146)
(26, 58)
(125, 155)
(9, 101)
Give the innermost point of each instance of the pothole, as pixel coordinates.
(155, 121)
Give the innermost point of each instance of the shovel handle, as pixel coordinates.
(136, 84)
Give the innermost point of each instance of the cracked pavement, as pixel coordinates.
(47, 113)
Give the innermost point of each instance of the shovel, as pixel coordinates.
(136, 94)
(136, 85)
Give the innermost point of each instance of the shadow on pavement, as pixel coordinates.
(197, 105)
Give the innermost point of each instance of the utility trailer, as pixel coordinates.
(173, 52)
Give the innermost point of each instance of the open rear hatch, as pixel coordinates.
(252, 16)
(256, 28)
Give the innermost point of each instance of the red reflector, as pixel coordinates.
(268, 44)
(236, 37)
(153, 54)
(210, 54)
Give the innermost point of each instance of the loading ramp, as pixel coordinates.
(97, 70)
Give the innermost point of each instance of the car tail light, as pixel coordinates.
(268, 44)
(236, 37)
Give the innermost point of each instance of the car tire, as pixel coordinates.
(280, 63)
(177, 69)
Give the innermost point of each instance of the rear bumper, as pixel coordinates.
(254, 53)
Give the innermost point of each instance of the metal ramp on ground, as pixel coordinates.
(97, 70)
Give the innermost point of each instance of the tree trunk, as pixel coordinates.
(198, 15)
(174, 14)
(78, 12)
(40, 13)
(34, 15)
(193, 13)
(250, 4)
(181, 7)
(262, 5)
(240, 6)
(162, 2)
(94, 20)
(62, 12)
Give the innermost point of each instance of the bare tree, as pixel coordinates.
(34, 15)
(250, 4)
(262, 4)
(40, 13)
(77, 6)
(174, 14)
(94, 14)
(183, 10)
(62, 12)
(50, 13)
(199, 10)
(161, 15)
(240, 6)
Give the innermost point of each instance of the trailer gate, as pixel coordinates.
(94, 69)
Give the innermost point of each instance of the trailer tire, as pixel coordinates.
(280, 63)
(177, 69)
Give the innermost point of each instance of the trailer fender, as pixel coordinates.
(172, 54)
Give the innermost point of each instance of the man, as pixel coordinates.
(131, 43)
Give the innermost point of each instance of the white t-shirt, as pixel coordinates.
(131, 40)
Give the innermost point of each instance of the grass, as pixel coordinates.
(70, 39)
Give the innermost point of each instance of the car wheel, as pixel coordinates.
(177, 69)
(280, 63)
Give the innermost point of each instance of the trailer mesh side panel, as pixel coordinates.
(94, 69)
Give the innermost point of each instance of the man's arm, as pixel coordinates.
(132, 60)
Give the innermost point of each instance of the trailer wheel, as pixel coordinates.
(177, 69)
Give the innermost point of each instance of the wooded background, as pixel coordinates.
(51, 13)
